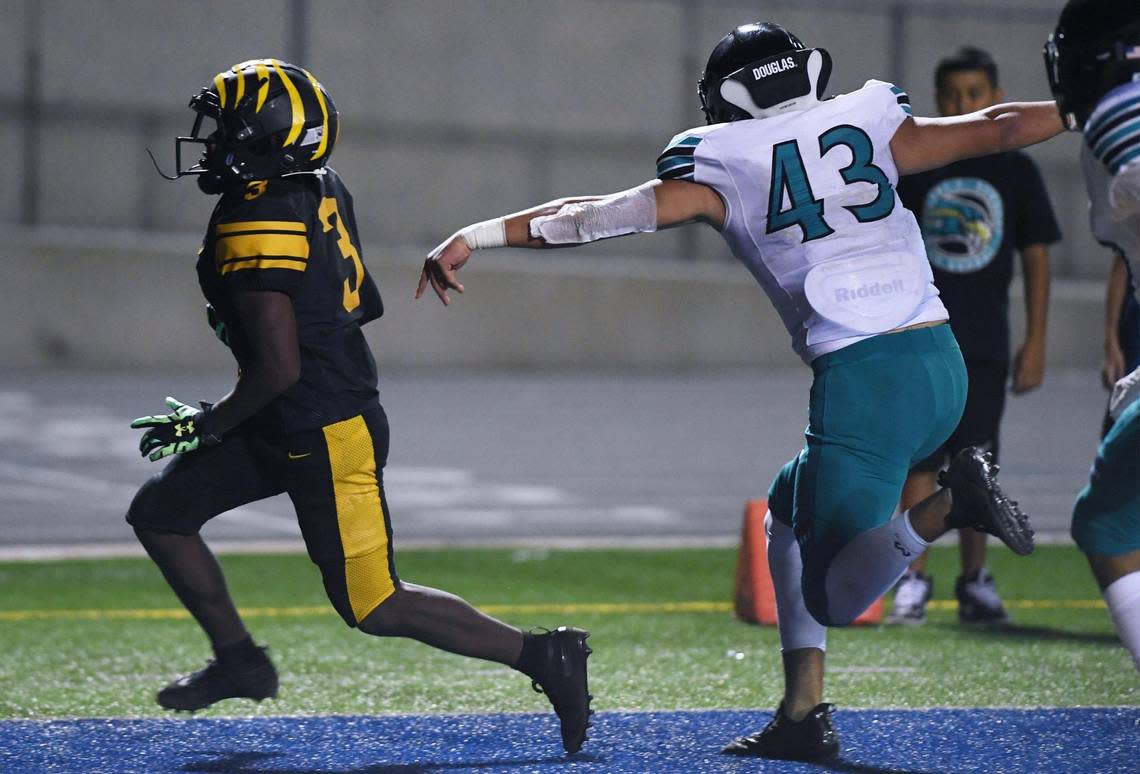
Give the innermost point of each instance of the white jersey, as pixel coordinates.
(811, 210)
(1110, 161)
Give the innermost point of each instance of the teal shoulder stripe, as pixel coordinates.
(1132, 155)
(1110, 113)
(1129, 129)
(906, 109)
(678, 154)
(680, 173)
(896, 90)
(665, 165)
(684, 141)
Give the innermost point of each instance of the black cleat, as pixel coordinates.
(978, 600)
(564, 682)
(220, 681)
(979, 502)
(811, 739)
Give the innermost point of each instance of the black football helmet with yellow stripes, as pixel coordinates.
(273, 119)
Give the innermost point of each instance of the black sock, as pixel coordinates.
(243, 653)
(532, 658)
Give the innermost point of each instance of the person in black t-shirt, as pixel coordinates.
(974, 215)
(287, 291)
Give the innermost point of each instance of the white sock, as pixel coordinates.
(1123, 599)
(797, 627)
(869, 565)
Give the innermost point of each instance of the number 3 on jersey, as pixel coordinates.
(348, 251)
(804, 210)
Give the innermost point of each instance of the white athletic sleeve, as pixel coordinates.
(627, 212)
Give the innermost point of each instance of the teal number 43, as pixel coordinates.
(789, 176)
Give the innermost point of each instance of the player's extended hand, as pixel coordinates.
(1124, 393)
(175, 433)
(442, 265)
(1028, 368)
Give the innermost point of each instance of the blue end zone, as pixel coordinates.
(926, 741)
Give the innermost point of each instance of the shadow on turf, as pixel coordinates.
(1043, 633)
(850, 767)
(228, 762)
(254, 763)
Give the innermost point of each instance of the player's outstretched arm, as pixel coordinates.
(566, 222)
(928, 143)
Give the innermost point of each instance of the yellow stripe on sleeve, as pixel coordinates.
(263, 263)
(360, 515)
(257, 245)
(261, 225)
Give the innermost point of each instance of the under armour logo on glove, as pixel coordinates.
(178, 432)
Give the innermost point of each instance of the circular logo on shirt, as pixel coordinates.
(962, 221)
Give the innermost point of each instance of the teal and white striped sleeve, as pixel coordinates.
(676, 162)
(1113, 131)
(901, 99)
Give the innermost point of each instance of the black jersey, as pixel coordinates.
(297, 235)
(974, 213)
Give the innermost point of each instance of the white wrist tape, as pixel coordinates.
(629, 212)
(489, 233)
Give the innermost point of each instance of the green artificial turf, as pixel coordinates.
(1062, 652)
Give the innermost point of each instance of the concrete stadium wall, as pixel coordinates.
(83, 299)
(453, 110)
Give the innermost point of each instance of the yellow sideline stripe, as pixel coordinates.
(586, 608)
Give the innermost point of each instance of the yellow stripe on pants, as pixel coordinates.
(360, 515)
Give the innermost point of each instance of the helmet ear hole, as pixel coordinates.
(262, 146)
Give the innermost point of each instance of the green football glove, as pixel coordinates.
(178, 432)
(219, 327)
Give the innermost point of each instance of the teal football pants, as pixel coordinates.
(1106, 517)
(877, 407)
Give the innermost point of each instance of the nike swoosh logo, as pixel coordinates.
(293, 456)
